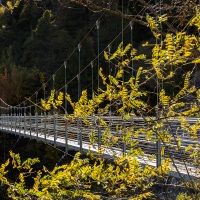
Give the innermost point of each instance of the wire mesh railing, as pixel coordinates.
(75, 134)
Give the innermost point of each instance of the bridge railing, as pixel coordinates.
(57, 130)
(81, 136)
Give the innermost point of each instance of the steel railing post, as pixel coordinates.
(15, 120)
(20, 120)
(11, 119)
(36, 123)
(54, 129)
(30, 123)
(3, 122)
(99, 133)
(66, 137)
(45, 134)
(124, 142)
(80, 134)
(24, 120)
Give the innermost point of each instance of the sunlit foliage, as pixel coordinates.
(125, 177)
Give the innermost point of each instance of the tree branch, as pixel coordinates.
(149, 7)
(94, 7)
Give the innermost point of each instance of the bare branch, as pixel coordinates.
(94, 7)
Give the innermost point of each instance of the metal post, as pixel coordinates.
(19, 119)
(92, 77)
(36, 116)
(65, 64)
(124, 142)
(45, 133)
(66, 105)
(98, 26)
(122, 22)
(110, 110)
(131, 26)
(54, 128)
(15, 118)
(36, 101)
(53, 81)
(3, 121)
(66, 128)
(39, 123)
(158, 153)
(109, 48)
(56, 133)
(99, 134)
(6, 119)
(24, 120)
(122, 36)
(66, 137)
(80, 134)
(11, 119)
(158, 142)
(48, 121)
(30, 122)
(36, 125)
(1, 118)
(55, 124)
(79, 71)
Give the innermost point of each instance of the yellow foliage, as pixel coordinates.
(183, 91)
(52, 102)
(119, 73)
(162, 18)
(68, 98)
(139, 57)
(102, 76)
(106, 55)
(153, 26)
(129, 98)
(3, 172)
(165, 100)
(10, 5)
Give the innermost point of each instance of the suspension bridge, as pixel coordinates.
(53, 128)
(74, 135)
